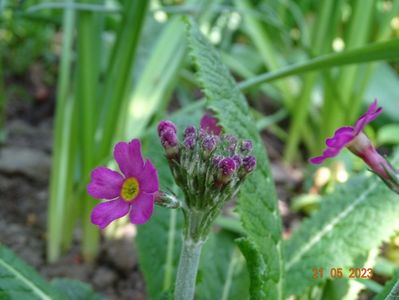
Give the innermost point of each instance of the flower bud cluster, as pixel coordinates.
(208, 167)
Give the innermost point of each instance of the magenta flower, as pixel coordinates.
(210, 124)
(359, 144)
(132, 193)
(345, 136)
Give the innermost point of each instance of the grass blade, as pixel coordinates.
(63, 155)
(373, 52)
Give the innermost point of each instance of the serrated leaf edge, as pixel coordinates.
(328, 227)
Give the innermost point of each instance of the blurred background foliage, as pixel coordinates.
(115, 68)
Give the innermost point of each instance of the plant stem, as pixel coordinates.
(187, 270)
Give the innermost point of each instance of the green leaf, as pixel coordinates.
(223, 270)
(372, 52)
(388, 134)
(156, 80)
(388, 287)
(18, 281)
(357, 217)
(256, 267)
(384, 86)
(75, 289)
(257, 206)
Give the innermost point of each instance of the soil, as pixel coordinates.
(25, 161)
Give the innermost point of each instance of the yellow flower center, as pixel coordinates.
(130, 189)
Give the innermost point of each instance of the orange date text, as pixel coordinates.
(335, 273)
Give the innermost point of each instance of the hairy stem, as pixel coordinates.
(187, 270)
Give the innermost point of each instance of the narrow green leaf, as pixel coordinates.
(18, 281)
(357, 217)
(64, 152)
(257, 207)
(378, 51)
(88, 45)
(119, 72)
(157, 79)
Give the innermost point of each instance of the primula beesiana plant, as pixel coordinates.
(207, 165)
(213, 164)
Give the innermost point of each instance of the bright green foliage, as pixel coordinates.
(258, 204)
(18, 281)
(75, 289)
(344, 228)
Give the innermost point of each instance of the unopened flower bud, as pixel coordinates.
(232, 142)
(249, 163)
(246, 146)
(190, 131)
(202, 133)
(227, 167)
(237, 160)
(189, 142)
(166, 125)
(167, 200)
(209, 143)
(169, 142)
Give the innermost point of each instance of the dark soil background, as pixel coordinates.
(25, 161)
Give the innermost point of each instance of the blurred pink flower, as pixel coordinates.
(347, 136)
(132, 193)
(210, 124)
(359, 144)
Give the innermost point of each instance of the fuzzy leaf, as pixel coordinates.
(256, 267)
(357, 217)
(223, 270)
(18, 281)
(257, 203)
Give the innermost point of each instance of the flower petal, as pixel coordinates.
(106, 212)
(129, 158)
(105, 183)
(142, 208)
(148, 179)
(372, 112)
(317, 160)
(328, 153)
(341, 137)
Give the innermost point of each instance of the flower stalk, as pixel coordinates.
(187, 270)
(209, 167)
